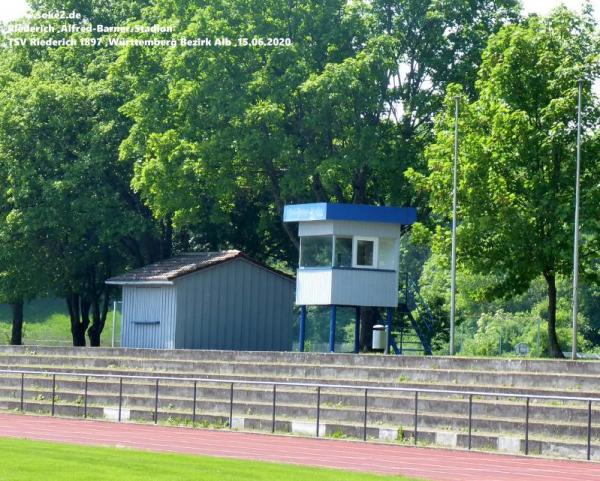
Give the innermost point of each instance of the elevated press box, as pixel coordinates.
(348, 253)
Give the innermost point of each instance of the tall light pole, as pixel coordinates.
(453, 261)
(576, 228)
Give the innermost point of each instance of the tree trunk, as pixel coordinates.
(368, 318)
(553, 347)
(133, 248)
(95, 330)
(16, 338)
(99, 313)
(79, 312)
(277, 199)
(359, 186)
(166, 245)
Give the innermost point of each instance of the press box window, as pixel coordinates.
(343, 252)
(365, 252)
(316, 251)
(387, 253)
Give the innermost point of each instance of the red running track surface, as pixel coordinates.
(428, 463)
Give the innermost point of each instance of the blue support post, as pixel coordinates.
(332, 314)
(357, 331)
(302, 328)
(388, 329)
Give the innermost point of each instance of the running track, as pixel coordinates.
(431, 464)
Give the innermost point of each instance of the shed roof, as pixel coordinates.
(353, 212)
(168, 270)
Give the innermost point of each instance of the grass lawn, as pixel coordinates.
(47, 322)
(36, 461)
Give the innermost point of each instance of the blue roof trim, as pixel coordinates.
(349, 212)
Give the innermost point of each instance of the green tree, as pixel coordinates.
(318, 120)
(20, 279)
(70, 217)
(517, 158)
(337, 116)
(58, 144)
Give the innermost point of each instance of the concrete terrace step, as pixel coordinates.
(456, 363)
(329, 414)
(345, 398)
(556, 426)
(401, 421)
(432, 384)
(384, 374)
(451, 380)
(384, 407)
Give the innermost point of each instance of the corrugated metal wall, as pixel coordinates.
(349, 228)
(236, 305)
(314, 287)
(149, 317)
(364, 287)
(347, 287)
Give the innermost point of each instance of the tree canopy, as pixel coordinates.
(338, 116)
(112, 157)
(517, 166)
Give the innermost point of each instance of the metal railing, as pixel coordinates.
(365, 390)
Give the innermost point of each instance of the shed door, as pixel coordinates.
(149, 317)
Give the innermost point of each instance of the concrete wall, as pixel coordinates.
(149, 317)
(236, 305)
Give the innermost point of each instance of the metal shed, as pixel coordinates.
(210, 300)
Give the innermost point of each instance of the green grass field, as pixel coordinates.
(48, 320)
(36, 461)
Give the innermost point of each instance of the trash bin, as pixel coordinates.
(379, 336)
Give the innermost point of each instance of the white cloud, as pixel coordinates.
(543, 7)
(12, 9)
